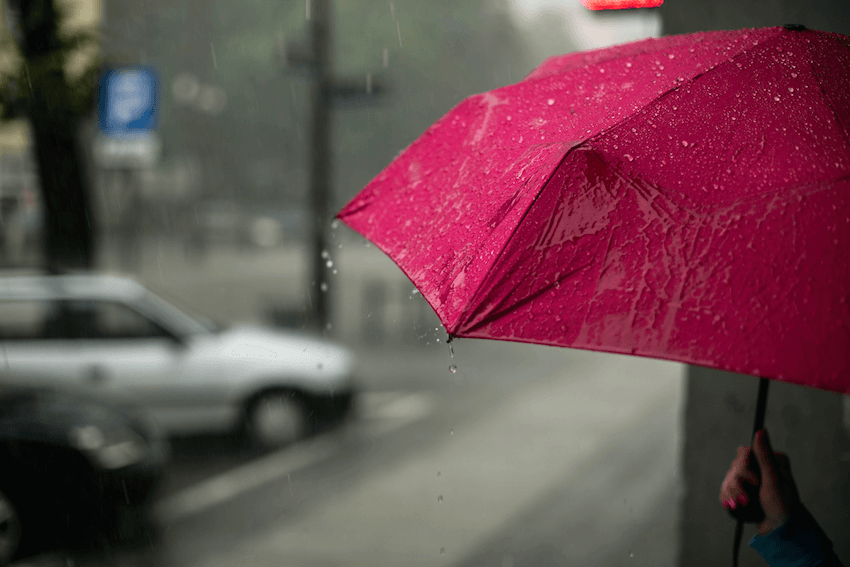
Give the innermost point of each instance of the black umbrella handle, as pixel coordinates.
(752, 512)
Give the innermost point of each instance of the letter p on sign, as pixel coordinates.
(620, 4)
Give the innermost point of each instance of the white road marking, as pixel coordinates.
(395, 411)
(225, 486)
(383, 411)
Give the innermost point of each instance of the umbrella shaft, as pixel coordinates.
(760, 405)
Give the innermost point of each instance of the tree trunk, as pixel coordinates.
(69, 235)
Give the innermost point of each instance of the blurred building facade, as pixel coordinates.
(805, 423)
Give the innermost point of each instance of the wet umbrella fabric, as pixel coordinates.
(684, 198)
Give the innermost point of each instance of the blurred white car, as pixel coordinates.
(112, 334)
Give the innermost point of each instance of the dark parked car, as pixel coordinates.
(73, 469)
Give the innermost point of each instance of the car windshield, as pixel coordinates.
(176, 319)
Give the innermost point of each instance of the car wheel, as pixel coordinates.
(10, 529)
(275, 420)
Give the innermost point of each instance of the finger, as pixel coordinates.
(741, 462)
(749, 477)
(765, 458)
(732, 489)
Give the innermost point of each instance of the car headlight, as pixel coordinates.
(112, 448)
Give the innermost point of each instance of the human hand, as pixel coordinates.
(777, 492)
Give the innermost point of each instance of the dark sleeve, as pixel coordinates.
(799, 542)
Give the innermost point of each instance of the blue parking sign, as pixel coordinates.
(127, 101)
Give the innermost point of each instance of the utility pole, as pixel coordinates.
(313, 59)
(320, 158)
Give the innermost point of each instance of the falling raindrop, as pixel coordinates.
(440, 498)
(325, 254)
(335, 224)
(451, 431)
(324, 286)
(329, 264)
(631, 554)
(439, 473)
(334, 271)
(451, 350)
(453, 368)
(442, 551)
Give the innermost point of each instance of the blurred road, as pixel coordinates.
(525, 456)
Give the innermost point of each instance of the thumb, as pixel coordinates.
(764, 455)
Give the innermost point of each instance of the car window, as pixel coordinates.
(111, 320)
(22, 320)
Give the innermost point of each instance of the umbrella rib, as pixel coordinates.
(675, 88)
(493, 315)
(466, 314)
(828, 101)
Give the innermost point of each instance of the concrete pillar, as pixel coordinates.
(807, 424)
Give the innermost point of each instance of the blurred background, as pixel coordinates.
(259, 121)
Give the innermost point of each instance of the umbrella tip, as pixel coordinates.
(794, 27)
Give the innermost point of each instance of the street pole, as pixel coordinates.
(313, 59)
(320, 158)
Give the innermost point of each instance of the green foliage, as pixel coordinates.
(17, 77)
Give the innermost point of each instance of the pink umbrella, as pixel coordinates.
(684, 198)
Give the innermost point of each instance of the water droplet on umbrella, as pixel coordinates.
(550, 102)
(629, 157)
(794, 75)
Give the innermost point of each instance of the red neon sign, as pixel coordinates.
(620, 4)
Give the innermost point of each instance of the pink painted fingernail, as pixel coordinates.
(742, 498)
(731, 503)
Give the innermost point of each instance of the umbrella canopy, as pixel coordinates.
(684, 198)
